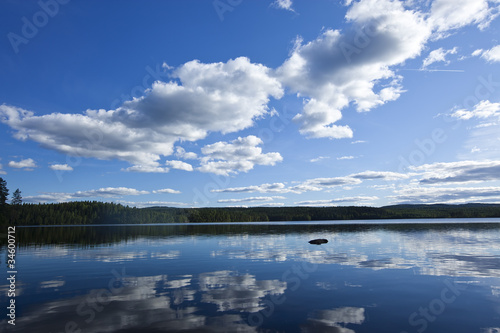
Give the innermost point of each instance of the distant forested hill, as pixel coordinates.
(85, 212)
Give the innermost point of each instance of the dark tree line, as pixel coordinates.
(4, 194)
(4, 206)
(86, 212)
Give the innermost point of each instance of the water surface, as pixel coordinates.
(383, 276)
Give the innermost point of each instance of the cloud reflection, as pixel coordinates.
(334, 320)
(155, 304)
(243, 293)
(457, 253)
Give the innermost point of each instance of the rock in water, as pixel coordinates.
(318, 241)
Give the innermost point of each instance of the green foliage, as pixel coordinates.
(86, 212)
(17, 199)
(4, 192)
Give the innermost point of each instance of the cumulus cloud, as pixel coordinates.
(180, 165)
(2, 172)
(316, 184)
(23, 164)
(215, 97)
(448, 195)
(491, 55)
(107, 192)
(347, 68)
(446, 15)
(459, 172)
(61, 167)
(482, 110)
(240, 155)
(337, 68)
(181, 153)
(438, 55)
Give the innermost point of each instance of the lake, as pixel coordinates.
(371, 276)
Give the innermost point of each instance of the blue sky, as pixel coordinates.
(251, 103)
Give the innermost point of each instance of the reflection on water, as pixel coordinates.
(333, 320)
(258, 278)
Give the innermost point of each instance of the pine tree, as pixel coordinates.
(16, 198)
(4, 192)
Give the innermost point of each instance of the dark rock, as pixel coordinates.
(318, 241)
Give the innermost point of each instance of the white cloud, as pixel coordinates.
(482, 110)
(240, 155)
(61, 167)
(477, 52)
(181, 153)
(345, 158)
(458, 172)
(26, 163)
(107, 192)
(352, 68)
(251, 199)
(317, 184)
(448, 15)
(167, 190)
(492, 55)
(218, 97)
(438, 55)
(179, 165)
(338, 69)
(336, 201)
(264, 188)
(146, 169)
(383, 175)
(283, 4)
(455, 195)
(152, 204)
(2, 172)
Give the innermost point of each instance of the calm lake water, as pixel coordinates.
(401, 276)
